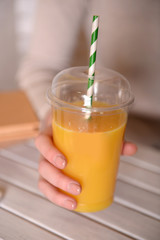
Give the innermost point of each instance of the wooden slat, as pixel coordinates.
(150, 162)
(140, 177)
(16, 228)
(148, 154)
(129, 171)
(22, 153)
(25, 151)
(19, 175)
(126, 194)
(136, 198)
(130, 222)
(41, 212)
(146, 157)
(25, 183)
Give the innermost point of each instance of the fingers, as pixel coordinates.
(44, 143)
(129, 148)
(56, 196)
(55, 177)
(52, 178)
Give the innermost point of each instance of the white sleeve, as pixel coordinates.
(54, 38)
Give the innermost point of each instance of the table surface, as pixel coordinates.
(27, 214)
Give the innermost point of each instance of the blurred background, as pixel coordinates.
(16, 24)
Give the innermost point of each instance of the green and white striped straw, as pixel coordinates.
(92, 61)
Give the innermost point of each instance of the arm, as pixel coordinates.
(56, 27)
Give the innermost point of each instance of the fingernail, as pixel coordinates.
(69, 204)
(59, 161)
(74, 188)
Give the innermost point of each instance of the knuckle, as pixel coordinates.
(48, 153)
(56, 197)
(59, 179)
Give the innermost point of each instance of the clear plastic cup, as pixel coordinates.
(91, 145)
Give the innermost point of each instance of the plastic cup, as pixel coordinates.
(92, 146)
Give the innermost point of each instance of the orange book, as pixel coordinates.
(17, 117)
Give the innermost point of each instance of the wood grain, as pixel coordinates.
(128, 221)
(26, 177)
(146, 157)
(126, 194)
(131, 170)
(134, 213)
(138, 199)
(13, 227)
(41, 212)
(139, 177)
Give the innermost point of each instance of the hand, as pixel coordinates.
(51, 177)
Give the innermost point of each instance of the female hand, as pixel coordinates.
(51, 177)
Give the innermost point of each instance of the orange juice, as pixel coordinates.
(92, 148)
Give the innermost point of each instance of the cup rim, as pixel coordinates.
(55, 101)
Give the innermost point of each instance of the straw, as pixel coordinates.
(92, 61)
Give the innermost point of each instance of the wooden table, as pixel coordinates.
(26, 214)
